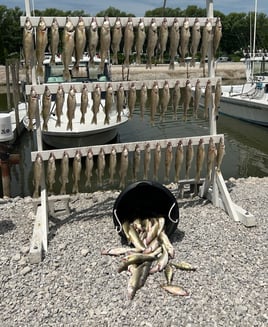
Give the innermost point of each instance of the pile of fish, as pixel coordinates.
(161, 97)
(213, 155)
(151, 251)
(77, 39)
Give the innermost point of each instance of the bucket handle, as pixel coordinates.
(119, 223)
(169, 214)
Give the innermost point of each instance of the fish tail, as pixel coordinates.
(82, 120)
(70, 126)
(39, 70)
(66, 75)
(106, 120)
(58, 123)
(94, 120)
(118, 119)
(171, 65)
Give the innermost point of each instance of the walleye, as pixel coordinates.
(200, 156)
(38, 174)
(217, 97)
(140, 38)
(120, 101)
(217, 35)
(68, 43)
(108, 103)
(169, 273)
(46, 105)
(33, 106)
(174, 39)
(196, 37)
(84, 103)
(187, 99)
(132, 96)
(197, 97)
(163, 238)
(152, 41)
(168, 160)
(116, 39)
(118, 251)
(54, 40)
(137, 279)
(89, 167)
(134, 238)
(206, 40)
(143, 99)
(164, 99)
(41, 44)
(64, 177)
(189, 158)
(105, 41)
(157, 160)
(112, 164)
(123, 166)
(178, 160)
(96, 95)
(71, 105)
(220, 153)
(183, 266)
(51, 172)
(80, 41)
(154, 101)
(163, 37)
(101, 166)
(93, 39)
(175, 290)
(161, 261)
(208, 98)
(176, 96)
(77, 166)
(184, 38)
(147, 160)
(59, 104)
(136, 162)
(28, 46)
(128, 40)
(211, 156)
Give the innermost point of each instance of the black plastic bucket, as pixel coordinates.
(146, 199)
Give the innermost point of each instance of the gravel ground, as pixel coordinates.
(76, 286)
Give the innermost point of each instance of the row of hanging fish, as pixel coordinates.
(161, 97)
(171, 157)
(78, 39)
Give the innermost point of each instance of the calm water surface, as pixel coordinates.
(246, 149)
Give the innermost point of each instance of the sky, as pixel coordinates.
(139, 7)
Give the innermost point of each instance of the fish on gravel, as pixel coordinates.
(84, 103)
(112, 164)
(183, 266)
(147, 160)
(123, 167)
(217, 35)
(169, 273)
(51, 172)
(184, 40)
(220, 153)
(168, 160)
(154, 101)
(80, 41)
(178, 160)
(41, 44)
(71, 105)
(46, 105)
(120, 101)
(152, 42)
(93, 39)
(101, 166)
(195, 40)
(143, 99)
(33, 107)
(77, 167)
(163, 37)
(89, 167)
(108, 103)
(175, 290)
(64, 176)
(136, 161)
(96, 97)
(105, 41)
(208, 99)
(206, 41)
(140, 39)
(60, 96)
(38, 174)
(186, 99)
(197, 97)
(68, 45)
(28, 46)
(176, 96)
(189, 158)
(157, 160)
(132, 96)
(165, 100)
(174, 39)
(116, 40)
(128, 40)
(211, 157)
(54, 40)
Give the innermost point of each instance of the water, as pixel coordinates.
(246, 149)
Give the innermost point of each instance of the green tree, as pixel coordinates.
(113, 12)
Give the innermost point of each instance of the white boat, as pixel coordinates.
(87, 133)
